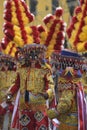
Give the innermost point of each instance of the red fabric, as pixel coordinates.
(31, 124)
(10, 107)
(53, 103)
(46, 83)
(9, 33)
(4, 42)
(78, 10)
(16, 86)
(28, 13)
(15, 123)
(44, 122)
(7, 15)
(15, 115)
(81, 108)
(7, 5)
(2, 110)
(48, 18)
(85, 46)
(59, 12)
(41, 28)
(7, 25)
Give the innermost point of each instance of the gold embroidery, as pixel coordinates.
(35, 82)
(6, 80)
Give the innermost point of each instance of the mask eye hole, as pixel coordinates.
(36, 57)
(8, 63)
(30, 57)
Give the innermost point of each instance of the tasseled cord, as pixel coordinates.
(26, 96)
(26, 92)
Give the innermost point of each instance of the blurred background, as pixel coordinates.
(41, 8)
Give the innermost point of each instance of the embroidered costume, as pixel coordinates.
(35, 83)
(71, 103)
(7, 78)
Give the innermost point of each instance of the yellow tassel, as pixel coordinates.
(83, 36)
(80, 47)
(18, 40)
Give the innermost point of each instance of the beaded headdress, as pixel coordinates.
(7, 62)
(18, 32)
(31, 52)
(77, 30)
(67, 58)
(16, 28)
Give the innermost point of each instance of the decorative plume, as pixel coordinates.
(53, 35)
(77, 30)
(16, 28)
(18, 32)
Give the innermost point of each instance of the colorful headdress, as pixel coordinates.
(66, 59)
(7, 62)
(18, 32)
(70, 68)
(16, 28)
(77, 30)
(53, 36)
(31, 53)
(32, 48)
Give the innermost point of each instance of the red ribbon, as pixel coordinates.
(81, 108)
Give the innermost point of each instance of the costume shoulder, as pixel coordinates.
(48, 66)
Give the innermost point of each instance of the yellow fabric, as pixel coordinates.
(84, 82)
(66, 127)
(52, 113)
(67, 103)
(83, 36)
(7, 78)
(36, 84)
(51, 86)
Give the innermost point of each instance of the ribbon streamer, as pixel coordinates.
(81, 108)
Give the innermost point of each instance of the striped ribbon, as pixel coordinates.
(81, 108)
(15, 115)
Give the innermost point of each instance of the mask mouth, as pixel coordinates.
(27, 60)
(7, 62)
(21, 60)
(31, 53)
(8, 65)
